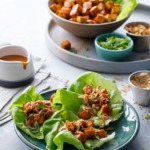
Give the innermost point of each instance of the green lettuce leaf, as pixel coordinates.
(27, 95)
(68, 100)
(127, 7)
(95, 80)
(50, 126)
(19, 119)
(18, 115)
(92, 144)
(66, 136)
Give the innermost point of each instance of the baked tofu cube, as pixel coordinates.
(115, 9)
(70, 126)
(59, 1)
(113, 17)
(103, 12)
(87, 4)
(80, 136)
(85, 11)
(102, 133)
(109, 5)
(101, 6)
(66, 45)
(76, 10)
(66, 9)
(63, 14)
(105, 109)
(55, 7)
(82, 19)
(73, 19)
(90, 21)
(84, 115)
(90, 133)
(94, 11)
(94, 2)
(79, 2)
(69, 4)
(99, 18)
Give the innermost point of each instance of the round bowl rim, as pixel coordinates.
(113, 51)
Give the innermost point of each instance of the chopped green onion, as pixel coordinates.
(115, 43)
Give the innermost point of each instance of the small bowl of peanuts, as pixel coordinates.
(140, 87)
(140, 33)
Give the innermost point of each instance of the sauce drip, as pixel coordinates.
(20, 58)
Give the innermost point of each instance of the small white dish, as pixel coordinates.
(15, 73)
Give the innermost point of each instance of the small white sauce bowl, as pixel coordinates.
(140, 95)
(12, 73)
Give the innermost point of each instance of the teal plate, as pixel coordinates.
(126, 129)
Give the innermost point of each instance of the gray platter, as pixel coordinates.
(88, 59)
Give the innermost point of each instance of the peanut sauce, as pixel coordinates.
(20, 58)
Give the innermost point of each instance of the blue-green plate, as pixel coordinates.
(126, 129)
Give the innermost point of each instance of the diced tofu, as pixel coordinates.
(81, 19)
(73, 19)
(88, 123)
(90, 133)
(80, 136)
(105, 109)
(115, 9)
(103, 12)
(94, 2)
(90, 21)
(87, 4)
(76, 10)
(85, 11)
(86, 7)
(69, 4)
(62, 13)
(99, 18)
(102, 133)
(94, 11)
(84, 115)
(59, 1)
(55, 7)
(70, 126)
(66, 45)
(114, 17)
(109, 4)
(101, 6)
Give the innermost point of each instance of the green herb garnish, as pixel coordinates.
(147, 116)
(115, 43)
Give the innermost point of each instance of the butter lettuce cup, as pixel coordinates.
(29, 111)
(113, 46)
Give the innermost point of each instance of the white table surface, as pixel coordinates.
(24, 23)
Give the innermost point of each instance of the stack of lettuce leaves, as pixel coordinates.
(67, 105)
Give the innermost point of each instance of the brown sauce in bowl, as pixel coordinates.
(20, 58)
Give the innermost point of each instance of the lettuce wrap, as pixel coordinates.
(16, 112)
(95, 80)
(50, 126)
(56, 140)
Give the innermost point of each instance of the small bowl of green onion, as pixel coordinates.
(113, 46)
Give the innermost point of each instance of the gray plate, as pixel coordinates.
(88, 59)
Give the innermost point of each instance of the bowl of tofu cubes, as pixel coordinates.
(86, 19)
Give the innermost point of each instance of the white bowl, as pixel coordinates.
(15, 73)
